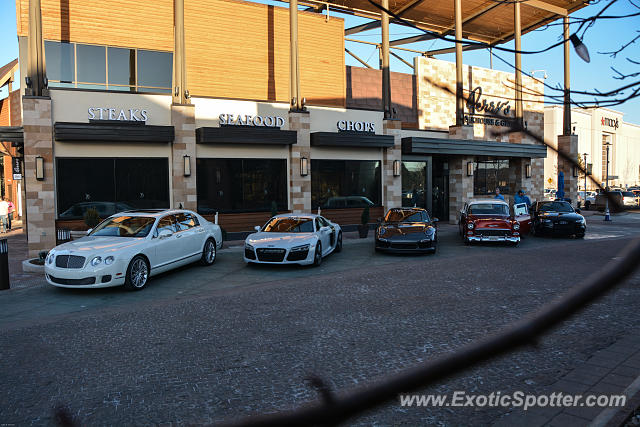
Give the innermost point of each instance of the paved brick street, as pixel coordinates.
(202, 345)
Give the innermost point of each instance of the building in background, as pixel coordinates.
(596, 128)
(138, 111)
(11, 187)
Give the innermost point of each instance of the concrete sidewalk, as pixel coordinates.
(612, 371)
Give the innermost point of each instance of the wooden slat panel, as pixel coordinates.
(72, 224)
(234, 222)
(226, 61)
(351, 216)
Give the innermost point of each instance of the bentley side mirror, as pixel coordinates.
(257, 228)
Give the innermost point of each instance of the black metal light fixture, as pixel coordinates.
(527, 170)
(304, 166)
(396, 168)
(39, 168)
(580, 48)
(469, 168)
(575, 171)
(187, 165)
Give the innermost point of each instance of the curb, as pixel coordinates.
(620, 413)
(27, 267)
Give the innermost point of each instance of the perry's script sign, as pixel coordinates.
(247, 120)
(494, 108)
(118, 114)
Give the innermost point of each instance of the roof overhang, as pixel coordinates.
(351, 139)
(7, 71)
(112, 131)
(245, 135)
(488, 21)
(11, 134)
(462, 147)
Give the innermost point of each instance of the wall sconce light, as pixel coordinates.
(527, 171)
(187, 165)
(396, 168)
(469, 168)
(575, 171)
(304, 166)
(39, 168)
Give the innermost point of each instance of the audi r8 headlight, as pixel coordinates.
(470, 226)
(109, 260)
(95, 261)
(248, 246)
(300, 248)
(516, 226)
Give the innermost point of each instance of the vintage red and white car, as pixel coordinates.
(492, 220)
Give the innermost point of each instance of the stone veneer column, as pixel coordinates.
(460, 185)
(183, 119)
(40, 195)
(569, 145)
(392, 185)
(300, 186)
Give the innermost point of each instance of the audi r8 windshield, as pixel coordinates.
(289, 225)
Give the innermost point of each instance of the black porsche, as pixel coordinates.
(406, 230)
(557, 218)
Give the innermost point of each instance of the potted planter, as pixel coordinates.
(363, 228)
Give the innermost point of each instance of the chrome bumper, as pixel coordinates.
(494, 239)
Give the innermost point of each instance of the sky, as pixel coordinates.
(604, 36)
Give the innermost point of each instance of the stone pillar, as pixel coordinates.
(183, 119)
(40, 194)
(537, 180)
(392, 185)
(520, 180)
(568, 144)
(300, 190)
(460, 185)
(461, 132)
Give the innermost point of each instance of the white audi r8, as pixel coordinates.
(293, 239)
(129, 247)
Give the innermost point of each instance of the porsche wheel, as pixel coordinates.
(339, 243)
(137, 274)
(317, 257)
(208, 252)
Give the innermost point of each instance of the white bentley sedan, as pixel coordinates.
(293, 239)
(129, 247)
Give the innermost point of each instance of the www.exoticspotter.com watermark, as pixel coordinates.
(517, 399)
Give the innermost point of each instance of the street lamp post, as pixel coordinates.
(584, 163)
(607, 216)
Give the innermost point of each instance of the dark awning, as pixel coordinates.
(245, 135)
(429, 146)
(11, 134)
(112, 131)
(351, 139)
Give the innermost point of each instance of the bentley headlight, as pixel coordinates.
(516, 226)
(108, 260)
(470, 226)
(300, 248)
(50, 257)
(95, 261)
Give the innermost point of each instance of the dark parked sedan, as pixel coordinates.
(407, 230)
(557, 218)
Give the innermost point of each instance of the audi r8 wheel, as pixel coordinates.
(208, 252)
(317, 257)
(137, 274)
(339, 243)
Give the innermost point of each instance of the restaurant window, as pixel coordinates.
(122, 68)
(491, 174)
(110, 68)
(91, 66)
(414, 180)
(241, 185)
(110, 185)
(339, 184)
(60, 59)
(154, 71)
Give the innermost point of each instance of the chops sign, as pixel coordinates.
(610, 122)
(131, 114)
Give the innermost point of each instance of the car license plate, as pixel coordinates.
(562, 222)
(493, 237)
(271, 251)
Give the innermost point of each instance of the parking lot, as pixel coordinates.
(203, 344)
